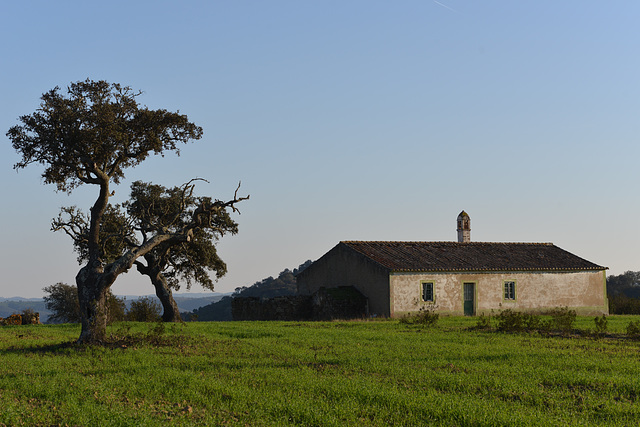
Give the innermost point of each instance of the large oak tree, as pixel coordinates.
(92, 135)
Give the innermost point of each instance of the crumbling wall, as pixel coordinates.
(294, 307)
(343, 302)
(21, 319)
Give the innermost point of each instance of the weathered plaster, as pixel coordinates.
(535, 291)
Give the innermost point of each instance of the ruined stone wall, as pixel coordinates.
(336, 303)
(342, 266)
(21, 319)
(297, 307)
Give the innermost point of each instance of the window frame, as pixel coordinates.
(423, 284)
(510, 295)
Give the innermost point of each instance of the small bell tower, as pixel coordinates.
(464, 227)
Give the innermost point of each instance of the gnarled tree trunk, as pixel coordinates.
(92, 296)
(153, 269)
(171, 312)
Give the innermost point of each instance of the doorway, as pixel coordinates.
(469, 292)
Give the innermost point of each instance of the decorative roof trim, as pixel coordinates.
(447, 242)
(506, 270)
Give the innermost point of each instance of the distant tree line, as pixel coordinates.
(623, 292)
(284, 284)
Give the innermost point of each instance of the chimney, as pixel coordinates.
(464, 228)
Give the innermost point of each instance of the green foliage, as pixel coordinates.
(627, 284)
(516, 321)
(483, 322)
(623, 292)
(95, 125)
(633, 328)
(562, 319)
(115, 308)
(601, 324)
(623, 304)
(62, 300)
(155, 209)
(426, 316)
(145, 309)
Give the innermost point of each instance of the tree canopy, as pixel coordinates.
(94, 133)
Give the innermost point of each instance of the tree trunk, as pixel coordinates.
(171, 312)
(92, 296)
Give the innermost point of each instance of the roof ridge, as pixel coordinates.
(448, 242)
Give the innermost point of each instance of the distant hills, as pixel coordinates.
(2, 299)
(9, 306)
(187, 302)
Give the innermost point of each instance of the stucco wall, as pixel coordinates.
(535, 291)
(342, 266)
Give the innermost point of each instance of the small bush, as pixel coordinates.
(517, 321)
(633, 328)
(510, 321)
(562, 319)
(144, 309)
(30, 317)
(601, 324)
(483, 322)
(425, 316)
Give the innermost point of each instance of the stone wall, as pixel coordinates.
(343, 302)
(294, 307)
(21, 319)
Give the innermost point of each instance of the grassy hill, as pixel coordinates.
(371, 373)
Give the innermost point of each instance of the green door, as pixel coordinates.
(469, 299)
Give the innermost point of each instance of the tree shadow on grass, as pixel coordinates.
(121, 339)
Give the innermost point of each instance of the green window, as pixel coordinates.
(428, 294)
(509, 290)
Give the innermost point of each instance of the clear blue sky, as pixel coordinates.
(348, 120)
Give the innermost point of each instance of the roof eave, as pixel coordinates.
(481, 270)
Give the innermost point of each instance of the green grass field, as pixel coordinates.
(319, 374)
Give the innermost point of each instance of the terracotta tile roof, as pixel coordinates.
(471, 256)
